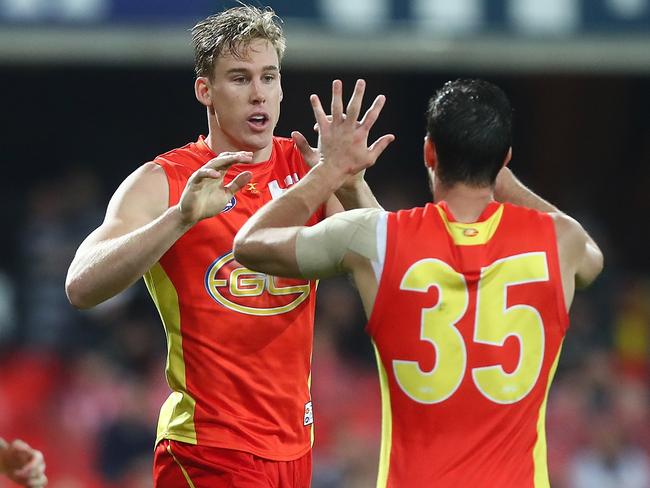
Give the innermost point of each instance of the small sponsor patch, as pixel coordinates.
(470, 232)
(309, 414)
(230, 205)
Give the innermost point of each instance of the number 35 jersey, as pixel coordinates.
(467, 326)
(239, 342)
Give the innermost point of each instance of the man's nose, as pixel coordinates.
(258, 93)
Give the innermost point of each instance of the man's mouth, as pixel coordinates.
(258, 120)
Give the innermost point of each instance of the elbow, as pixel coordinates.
(249, 251)
(242, 251)
(591, 271)
(76, 294)
(600, 265)
(597, 262)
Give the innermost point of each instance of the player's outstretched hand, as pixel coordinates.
(343, 139)
(22, 464)
(205, 194)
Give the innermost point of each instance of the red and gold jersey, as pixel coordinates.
(467, 326)
(239, 342)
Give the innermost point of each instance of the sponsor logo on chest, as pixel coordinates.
(245, 291)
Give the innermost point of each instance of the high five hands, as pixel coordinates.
(343, 139)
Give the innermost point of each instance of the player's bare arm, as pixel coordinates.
(509, 189)
(354, 192)
(581, 260)
(580, 257)
(139, 227)
(267, 242)
(22, 464)
(344, 243)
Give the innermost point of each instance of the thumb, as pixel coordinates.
(238, 182)
(380, 144)
(301, 142)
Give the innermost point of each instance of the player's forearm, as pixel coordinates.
(267, 241)
(103, 269)
(357, 196)
(510, 189)
(298, 203)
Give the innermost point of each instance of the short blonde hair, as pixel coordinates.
(231, 32)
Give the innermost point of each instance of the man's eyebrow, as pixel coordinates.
(270, 67)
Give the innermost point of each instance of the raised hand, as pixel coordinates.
(343, 139)
(205, 195)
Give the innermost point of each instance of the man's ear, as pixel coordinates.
(430, 157)
(508, 157)
(202, 91)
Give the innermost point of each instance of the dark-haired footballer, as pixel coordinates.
(467, 297)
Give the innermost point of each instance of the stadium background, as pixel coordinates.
(90, 89)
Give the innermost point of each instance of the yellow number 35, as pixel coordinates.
(494, 323)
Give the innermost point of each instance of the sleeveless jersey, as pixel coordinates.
(467, 326)
(239, 342)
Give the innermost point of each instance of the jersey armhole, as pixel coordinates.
(171, 175)
(384, 251)
(556, 271)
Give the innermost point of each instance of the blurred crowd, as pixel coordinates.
(85, 387)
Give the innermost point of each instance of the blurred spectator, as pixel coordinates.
(8, 317)
(126, 442)
(53, 229)
(609, 461)
(632, 329)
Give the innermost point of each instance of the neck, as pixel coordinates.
(465, 202)
(220, 143)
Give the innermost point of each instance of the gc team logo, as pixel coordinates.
(230, 205)
(250, 292)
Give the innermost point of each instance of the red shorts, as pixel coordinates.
(181, 465)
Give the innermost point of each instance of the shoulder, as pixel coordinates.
(284, 143)
(415, 213)
(286, 148)
(521, 219)
(287, 156)
(192, 156)
(524, 212)
(146, 191)
(571, 237)
(150, 174)
(566, 228)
